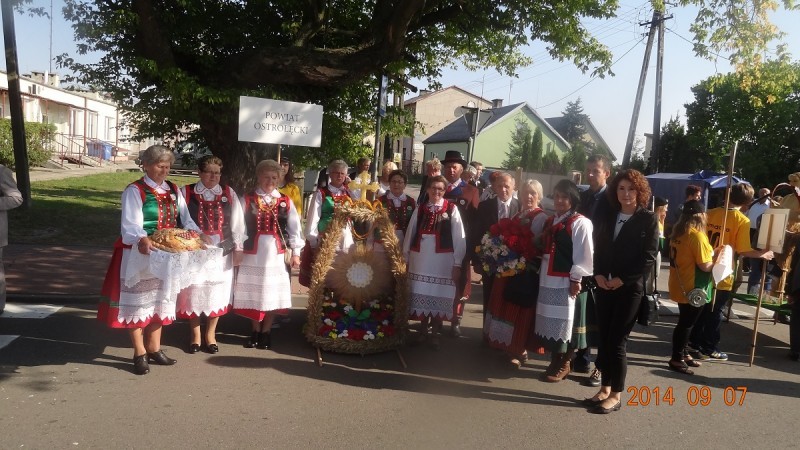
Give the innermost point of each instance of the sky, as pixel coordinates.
(547, 85)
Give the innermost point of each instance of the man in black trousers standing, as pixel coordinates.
(594, 205)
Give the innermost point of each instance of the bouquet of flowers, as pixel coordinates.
(507, 248)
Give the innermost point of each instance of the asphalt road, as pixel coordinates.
(66, 382)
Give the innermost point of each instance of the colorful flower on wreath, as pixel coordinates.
(355, 334)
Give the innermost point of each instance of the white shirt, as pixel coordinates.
(312, 233)
(756, 211)
(503, 208)
(396, 201)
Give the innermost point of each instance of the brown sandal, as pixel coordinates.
(691, 362)
(680, 366)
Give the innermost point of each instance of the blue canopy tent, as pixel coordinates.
(672, 186)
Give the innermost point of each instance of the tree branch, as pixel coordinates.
(150, 39)
(313, 22)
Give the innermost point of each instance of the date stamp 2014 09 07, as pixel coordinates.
(695, 395)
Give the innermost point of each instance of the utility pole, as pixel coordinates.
(658, 18)
(15, 104)
(655, 145)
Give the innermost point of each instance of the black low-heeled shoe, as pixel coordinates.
(253, 340)
(194, 348)
(591, 402)
(140, 366)
(600, 410)
(212, 348)
(264, 341)
(160, 358)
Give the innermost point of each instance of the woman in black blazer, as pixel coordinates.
(626, 242)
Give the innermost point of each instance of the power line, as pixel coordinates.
(699, 44)
(593, 78)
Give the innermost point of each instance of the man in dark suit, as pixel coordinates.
(466, 198)
(595, 206)
(502, 206)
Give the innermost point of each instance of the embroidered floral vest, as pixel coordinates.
(260, 218)
(158, 210)
(436, 223)
(213, 217)
(558, 244)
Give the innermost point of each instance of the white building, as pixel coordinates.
(87, 124)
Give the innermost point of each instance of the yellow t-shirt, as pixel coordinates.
(293, 192)
(686, 252)
(737, 235)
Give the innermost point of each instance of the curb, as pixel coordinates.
(58, 299)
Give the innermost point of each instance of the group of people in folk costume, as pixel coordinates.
(259, 229)
(601, 243)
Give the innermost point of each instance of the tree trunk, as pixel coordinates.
(239, 159)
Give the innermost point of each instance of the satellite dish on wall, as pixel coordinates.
(460, 111)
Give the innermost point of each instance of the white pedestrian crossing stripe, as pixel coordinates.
(24, 311)
(29, 311)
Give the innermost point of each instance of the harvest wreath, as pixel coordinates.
(364, 308)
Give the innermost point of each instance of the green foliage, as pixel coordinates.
(537, 150)
(573, 128)
(176, 65)
(675, 154)
(518, 154)
(737, 30)
(551, 163)
(760, 109)
(575, 158)
(38, 138)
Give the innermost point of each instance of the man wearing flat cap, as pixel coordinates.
(466, 198)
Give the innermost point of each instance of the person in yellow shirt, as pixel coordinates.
(705, 336)
(288, 186)
(691, 258)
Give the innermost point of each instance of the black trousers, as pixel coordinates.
(617, 311)
(686, 320)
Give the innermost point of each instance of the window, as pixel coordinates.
(109, 128)
(92, 125)
(75, 122)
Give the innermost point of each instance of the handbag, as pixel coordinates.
(227, 246)
(522, 289)
(648, 309)
(287, 252)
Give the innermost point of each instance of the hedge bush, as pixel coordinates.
(39, 137)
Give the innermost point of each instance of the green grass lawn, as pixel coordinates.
(75, 211)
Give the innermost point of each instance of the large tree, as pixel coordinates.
(174, 64)
(674, 153)
(573, 127)
(761, 111)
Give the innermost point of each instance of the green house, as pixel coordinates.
(492, 134)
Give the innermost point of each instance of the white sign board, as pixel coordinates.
(772, 231)
(278, 122)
